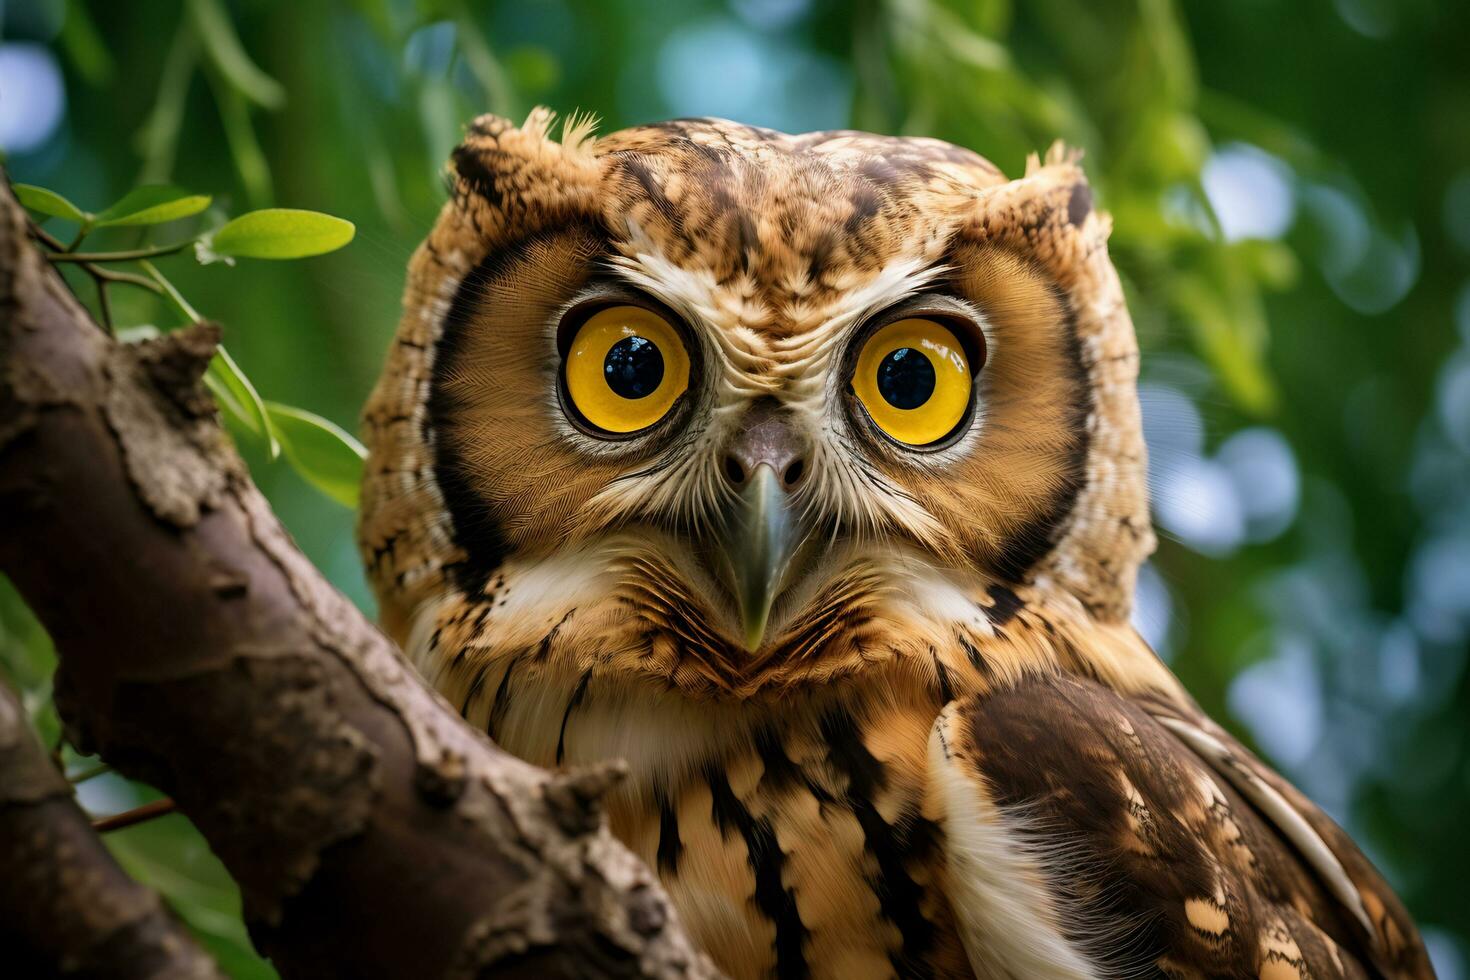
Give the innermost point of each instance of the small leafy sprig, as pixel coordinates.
(326, 456)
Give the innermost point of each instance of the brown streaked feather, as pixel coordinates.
(1392, 937)
(797, 842)
(1152, 860)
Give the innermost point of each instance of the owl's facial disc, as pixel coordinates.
(588, 327)
(908, 374)
(765, 462)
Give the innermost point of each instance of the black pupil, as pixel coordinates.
(634, 367)
(905, 378)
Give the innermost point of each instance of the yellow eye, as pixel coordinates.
(913, 379)
(625, 368)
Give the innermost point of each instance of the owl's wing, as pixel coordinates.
(1093, 835)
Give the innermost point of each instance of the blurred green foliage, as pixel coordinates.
(1290, 190)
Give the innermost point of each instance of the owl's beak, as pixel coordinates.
(759, 543)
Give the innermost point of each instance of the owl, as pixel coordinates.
(805, 475)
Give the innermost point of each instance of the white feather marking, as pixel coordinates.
(1276, 809)
(663, 738)
(936, 594)
(1008, 924)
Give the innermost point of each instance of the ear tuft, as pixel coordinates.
(578, 132)
(1060, 153)
(538, 122)
(1057, 155)
(522, 168)
(488, 125)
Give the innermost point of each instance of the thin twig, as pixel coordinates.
(96, 271)
(50, 240)
(159, 135)
(171, 292)
(131, 255)
(250, 162)
(111, 275)
(137, 815)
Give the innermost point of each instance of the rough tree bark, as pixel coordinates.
(67, 906)
(372, 833)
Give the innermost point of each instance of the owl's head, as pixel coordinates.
(757, 384)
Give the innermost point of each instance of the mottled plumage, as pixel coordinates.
(927, 742)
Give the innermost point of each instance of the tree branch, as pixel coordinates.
(65, 906)
(372, 832)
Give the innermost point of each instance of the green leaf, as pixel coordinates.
(250, 162)
(170, 855)
(239, 399)
(281, 233)
(228, 55)
(158, 137)
(1229, 328)
(1272, 264)
(28, 661)
(48, 202)
(326, 456)
(965, 46)
(84, 45)
(152, 204)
